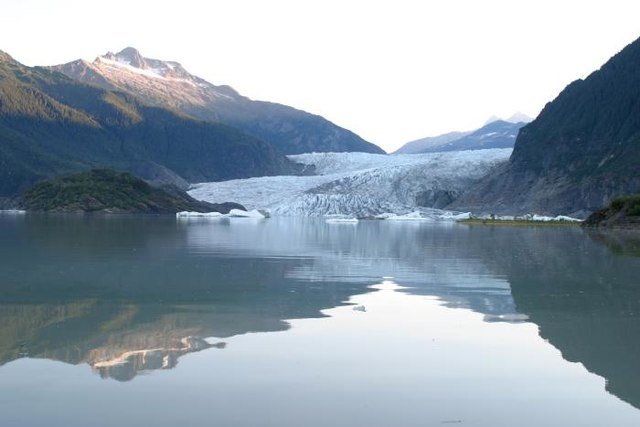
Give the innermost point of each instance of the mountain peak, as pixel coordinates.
(519, 117)
(5, 57)
(127, 56)
(131, 56)
(168, 84)
(131, 59)
(129, 51)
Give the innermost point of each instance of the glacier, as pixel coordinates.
(360, 185)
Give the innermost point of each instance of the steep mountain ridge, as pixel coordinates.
(52, 125)
(168, 84)
(582, 150)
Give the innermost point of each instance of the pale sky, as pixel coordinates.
(391, 71)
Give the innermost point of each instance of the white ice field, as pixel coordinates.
(357, 184)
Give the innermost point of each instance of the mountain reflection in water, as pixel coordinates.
(128, 295)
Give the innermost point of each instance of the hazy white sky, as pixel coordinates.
(391, 71)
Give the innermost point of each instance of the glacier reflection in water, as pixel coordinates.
(447, 327)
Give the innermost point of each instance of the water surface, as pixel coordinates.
(147, 320)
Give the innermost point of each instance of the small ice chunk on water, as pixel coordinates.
(341, 220)
(413, 216)
(188, 214)
(237, 213)
(234, 213)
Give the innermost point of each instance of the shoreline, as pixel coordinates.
(520, 222)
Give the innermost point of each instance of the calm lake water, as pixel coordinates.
(139, 321)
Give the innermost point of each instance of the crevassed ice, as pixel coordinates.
(357, 184)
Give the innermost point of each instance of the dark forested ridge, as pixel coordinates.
(52, 125)
(582, 150)
(104, 190)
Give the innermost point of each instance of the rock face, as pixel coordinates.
(51, 125)
(582, 150)
(103, 190)
(168, 84)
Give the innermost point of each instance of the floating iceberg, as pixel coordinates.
(412, 216)
(526, 217)
(234, 213)
(237, 213)
(12, 212)
(341, 220)
(188, 214)
(454, 216)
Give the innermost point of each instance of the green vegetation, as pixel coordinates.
(103, 190)
(630, 203)
(51, 125)
(289, 130)
(622, 212)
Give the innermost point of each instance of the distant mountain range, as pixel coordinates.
(430, 143)
(497, 133)
(52, 125)
(582, 150)
(167, 84)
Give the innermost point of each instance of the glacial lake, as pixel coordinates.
(153, 321)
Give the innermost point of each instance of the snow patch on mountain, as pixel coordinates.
(359, 184)
(123, 64)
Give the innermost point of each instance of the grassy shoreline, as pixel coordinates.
(519, 222)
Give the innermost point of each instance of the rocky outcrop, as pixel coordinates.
(622, 212)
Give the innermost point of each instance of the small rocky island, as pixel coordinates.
(622, 212)
(109, 191)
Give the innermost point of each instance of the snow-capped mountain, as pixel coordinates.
(168, 84)
(360, 184)
(52, 126)
(495, 134)
(155, 81)
(519, 117)
(430, 143)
